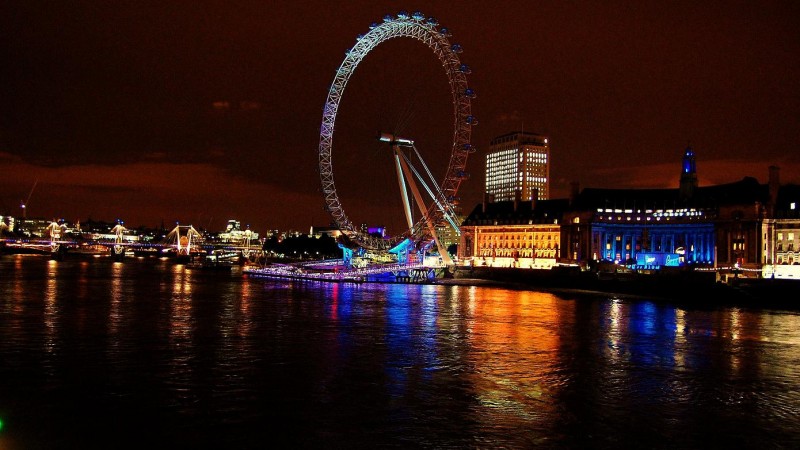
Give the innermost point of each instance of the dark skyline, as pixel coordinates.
(200, 112)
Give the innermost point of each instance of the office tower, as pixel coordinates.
(518, 167)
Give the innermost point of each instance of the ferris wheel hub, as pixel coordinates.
(395, 140)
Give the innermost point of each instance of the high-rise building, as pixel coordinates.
(518, 167)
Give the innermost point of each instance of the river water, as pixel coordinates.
(149, 354)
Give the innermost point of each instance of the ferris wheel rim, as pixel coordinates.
(427, 31)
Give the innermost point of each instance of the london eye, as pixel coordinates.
(438, 210)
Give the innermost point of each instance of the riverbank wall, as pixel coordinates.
(696, 288)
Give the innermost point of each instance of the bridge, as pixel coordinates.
(182, 242)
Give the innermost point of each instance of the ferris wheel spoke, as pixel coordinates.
(436, 197)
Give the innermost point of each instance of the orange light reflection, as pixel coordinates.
(516, 339)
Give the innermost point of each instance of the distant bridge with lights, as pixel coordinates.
(182, 242)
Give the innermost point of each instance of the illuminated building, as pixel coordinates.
(524, 234)
(33, 227)
(6, 224)
(518, 166)
(714, 226)
(234, 234)
(743, 228)
(781, 231)
(331, 231)
(447, 234)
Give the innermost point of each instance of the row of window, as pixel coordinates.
(520, 254)
(549, 246)
(520, 237)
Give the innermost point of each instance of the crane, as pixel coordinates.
(24, 203)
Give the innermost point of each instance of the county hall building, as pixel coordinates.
(742, 226)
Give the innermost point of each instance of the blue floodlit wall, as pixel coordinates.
(692, 242)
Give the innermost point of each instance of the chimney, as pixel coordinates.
(574, 190)
(487, 198)
(774, 186)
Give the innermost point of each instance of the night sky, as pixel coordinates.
(202, 111)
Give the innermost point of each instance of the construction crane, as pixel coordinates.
(24, 203)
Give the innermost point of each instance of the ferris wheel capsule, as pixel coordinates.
(472, 120)
(403, 15)
(417, 15)
(445, 32)
(432, 21)
(456, 48)
(468, 92)
(373, 25)
(465, 69)
(388, 18)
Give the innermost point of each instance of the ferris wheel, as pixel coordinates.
(440, 207)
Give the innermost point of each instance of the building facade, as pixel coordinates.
(518, 167)
(740, 227)
(781, 236)
(234, 234)
(711, 226)
(512, 234)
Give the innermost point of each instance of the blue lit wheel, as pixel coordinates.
(427, 31)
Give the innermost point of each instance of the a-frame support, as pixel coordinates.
(405, 172)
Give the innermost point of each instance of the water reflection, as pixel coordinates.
(51, 308)
(180, 313)
(414, 337)
(429, 329)
(116, 297)
(514, 347)
(244, 324)
(400, 341)
(238, 361)
(234, 353)
(334, 305)
(181, 365)
(14, 295)
(83, 281)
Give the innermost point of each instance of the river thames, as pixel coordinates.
(146, 353)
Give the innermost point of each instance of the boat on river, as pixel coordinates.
(212, 262)
(297, 273)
